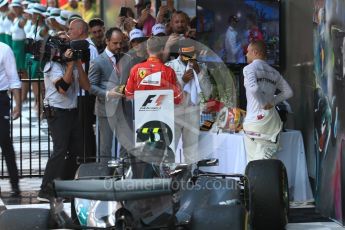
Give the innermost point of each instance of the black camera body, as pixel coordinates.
(54, 48)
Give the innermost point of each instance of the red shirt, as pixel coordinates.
(153, 75)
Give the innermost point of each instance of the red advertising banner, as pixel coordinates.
(61, 2)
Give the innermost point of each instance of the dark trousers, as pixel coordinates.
(5, 140)
(86, 105)
(65, 129)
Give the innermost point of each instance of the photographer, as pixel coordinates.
(62, 83)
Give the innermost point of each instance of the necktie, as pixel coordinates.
(117, 57)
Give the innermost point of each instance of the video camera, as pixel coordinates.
(53, 49)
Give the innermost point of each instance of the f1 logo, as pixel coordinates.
(150, 100)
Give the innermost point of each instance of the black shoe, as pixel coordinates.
(15, 193)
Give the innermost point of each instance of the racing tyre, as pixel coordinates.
(267, 194)
(25, 219)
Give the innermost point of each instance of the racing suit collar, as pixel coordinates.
(154, 59)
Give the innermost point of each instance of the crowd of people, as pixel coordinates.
(80, 90)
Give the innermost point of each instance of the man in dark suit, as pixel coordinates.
(108, 75)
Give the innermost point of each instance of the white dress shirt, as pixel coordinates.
(53, 71)
(93, 55)
(113, 59)
(232, 46)
(110, 55)
(8, 70)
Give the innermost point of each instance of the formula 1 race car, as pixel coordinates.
(183, 200)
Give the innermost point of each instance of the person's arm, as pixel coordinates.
(95, 75)
(13, 79)
(178, 93)
(83, 79)
(141, 20)
(285, 91)
(129, 89)
(163, 10)
(173, 38)
(63, 83)
(18, 107)
(22, 22)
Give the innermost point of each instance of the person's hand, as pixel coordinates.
(194, 65)
(173, 38)
(113, 93)
(69, 54)
(188, 75)
(120, 20)
(129, 24)
(268, 107)
(163, 10)
(16, 112)
(144, 15)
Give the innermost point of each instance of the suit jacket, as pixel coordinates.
(104, 77)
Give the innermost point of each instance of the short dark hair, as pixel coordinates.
(110, 32)
(96, 22)
(155, 44)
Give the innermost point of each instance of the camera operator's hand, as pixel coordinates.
(69, 54)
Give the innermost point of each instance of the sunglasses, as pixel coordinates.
(188, 58)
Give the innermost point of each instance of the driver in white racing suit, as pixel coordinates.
(262, 124)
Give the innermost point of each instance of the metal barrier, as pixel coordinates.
(30, 136)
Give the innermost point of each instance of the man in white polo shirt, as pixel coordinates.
(9, 80)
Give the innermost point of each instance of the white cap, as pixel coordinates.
(54, 12)
(3, 2)
(28, 2)
(74, 15)
(62, 19)
(39, 9)
(136, 33)
(28, 10)
(47, 13)
(16, 3)
(158, 29)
